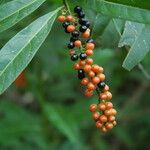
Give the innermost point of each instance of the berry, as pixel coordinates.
(88, 93)
(70, 18)
(113, 111)
(103, 118)
(111, 118)
(96, 115)
(77, 9)
(102, 107)
(84, 22)
(74, 57)
(85, 81)
(91, 74)
(83, 28)
(75, 33)
(70, 28)
(109, 125)
(103, 96)
(81, 74)
(108, 105)
(82, 62)
(97, 69)
(89, 52)
(106, 88)
(89, 61)
(71, 45)
(101, 76)
(90, 41)
(76, 66)
(95, 80)
(65, 24)
(73, 39)
(90, 46)
(99, 124)
(108, 112)
(81, 14)
(61, 18)
(90, 86)
(71, 52)
(77, 43)
(87, 68)
(83, 56)
(101, 85)
(109, 95)
(114, 123)
(93, 107)
(86, 34)
(103, 129)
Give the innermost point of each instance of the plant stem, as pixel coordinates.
(67, 6)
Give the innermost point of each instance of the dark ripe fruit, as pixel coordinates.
(81, 74)
(101, 85)
(90, 41)
(71, 45)
(77, 9)
(99, 124)
(75, 33)
(93, 107)
(87, 24)
(74, 57)
(84, 22)
(82, 28)
(65, 24)
(81, 14)
(103, 118)
(96, 115)
(83, 56)
(73, 39)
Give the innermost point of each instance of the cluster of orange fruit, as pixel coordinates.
(91, 75)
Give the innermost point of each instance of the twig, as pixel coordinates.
(146, 74)
(67, 6)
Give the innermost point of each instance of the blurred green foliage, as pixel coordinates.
(51, 113)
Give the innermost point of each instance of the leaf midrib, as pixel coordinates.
(23, 48)
(18, 10)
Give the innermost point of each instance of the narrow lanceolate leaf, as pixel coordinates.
(135, 35)
(120, 11)
(19, 51)
(12, 12)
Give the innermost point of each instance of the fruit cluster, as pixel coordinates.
(81, 48)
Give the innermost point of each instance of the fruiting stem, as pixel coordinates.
(67, 6)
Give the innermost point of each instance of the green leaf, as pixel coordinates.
(14, 11)
(120, 11)
(19, 51)
(135, 35)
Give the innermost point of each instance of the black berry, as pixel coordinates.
(101, 85)
(83, 28)
(83, 56)
(81, 14)
(81, 74)
(74, 57)
(75, 33)
(65, 24)
(77, 9)
(90, 41)
(71, 45)
(73, 39)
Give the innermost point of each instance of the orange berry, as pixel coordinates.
(109, 125)
(90, 86)
(87, 68)
(102, 107)
(101, 76)
(114, 123)
(82, 62)
(76, 66)
(96, 115)
(84, 81)
(111, 118)
(103, 129)
(90, 46)
(106, 88)
(95, 80)
(103, 96)
(70, 18)
(108, 112)
(70, 28)
(71, 52)
(77, 43)
(109, 95)
(99, 124)
(86, 34)
(88, 93)
(96, 68)
(113, 111)
(103, 118)
(93, 107)
(61, 18)
(108, 105)
(89, 61)
(91, 74)
(89, 52)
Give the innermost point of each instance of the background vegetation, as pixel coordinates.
(50, 112)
